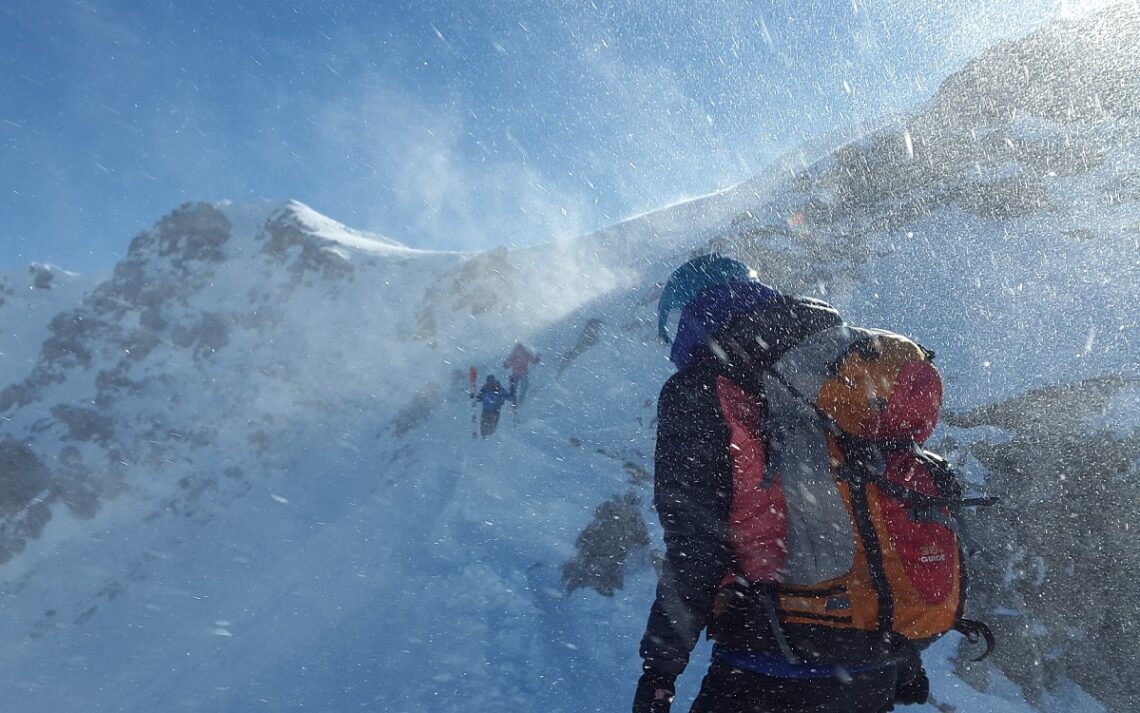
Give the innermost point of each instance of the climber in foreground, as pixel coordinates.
(492, 396)
(805, 527)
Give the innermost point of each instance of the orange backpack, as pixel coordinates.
(837, 509)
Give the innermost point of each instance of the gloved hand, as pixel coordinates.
(655, 691)
(913, 686)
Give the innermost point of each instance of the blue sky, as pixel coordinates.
(441, 124)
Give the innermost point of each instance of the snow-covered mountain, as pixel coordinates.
(238, 474)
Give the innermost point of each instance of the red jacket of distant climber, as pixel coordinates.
(520, 360)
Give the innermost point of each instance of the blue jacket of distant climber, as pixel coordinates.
(492, 395)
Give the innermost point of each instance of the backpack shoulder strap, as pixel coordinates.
(755, 340)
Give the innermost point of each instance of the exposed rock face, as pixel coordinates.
(128, 338)
(206, 336)
(1049, 409)
(616, 534)
(42, 277)
(417, 410)
(166, 265)
(194, 232)
(485, 283)
(84, 424)
(1059, 547)
(587, 339)
(1080, 71)
(23, 513)
(995, 140)
(287, 242)
(22, 475)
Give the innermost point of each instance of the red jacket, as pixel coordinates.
(520, 360)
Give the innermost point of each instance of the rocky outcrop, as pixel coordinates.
(996, 138)
(591, 332)
(192, 233)
(615, 535)
(1058, 549)
(484, 284)
(288, 243)
(1086, 70)
(422, 404)
(42, 276)
(22, 475)
(23, 478)
(209, 334)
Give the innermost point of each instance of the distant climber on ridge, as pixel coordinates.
(492, 396)
(519, 362)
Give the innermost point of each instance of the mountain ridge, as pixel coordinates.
(249, 447)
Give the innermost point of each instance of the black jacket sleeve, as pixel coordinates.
(693, 496)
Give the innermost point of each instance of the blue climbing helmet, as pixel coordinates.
(688, 280)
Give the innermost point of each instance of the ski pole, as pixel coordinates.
(474, 423)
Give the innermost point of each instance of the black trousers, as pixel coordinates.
(726, 689)
(519, 385)
(489, 422)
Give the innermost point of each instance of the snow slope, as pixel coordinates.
(239, 474)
